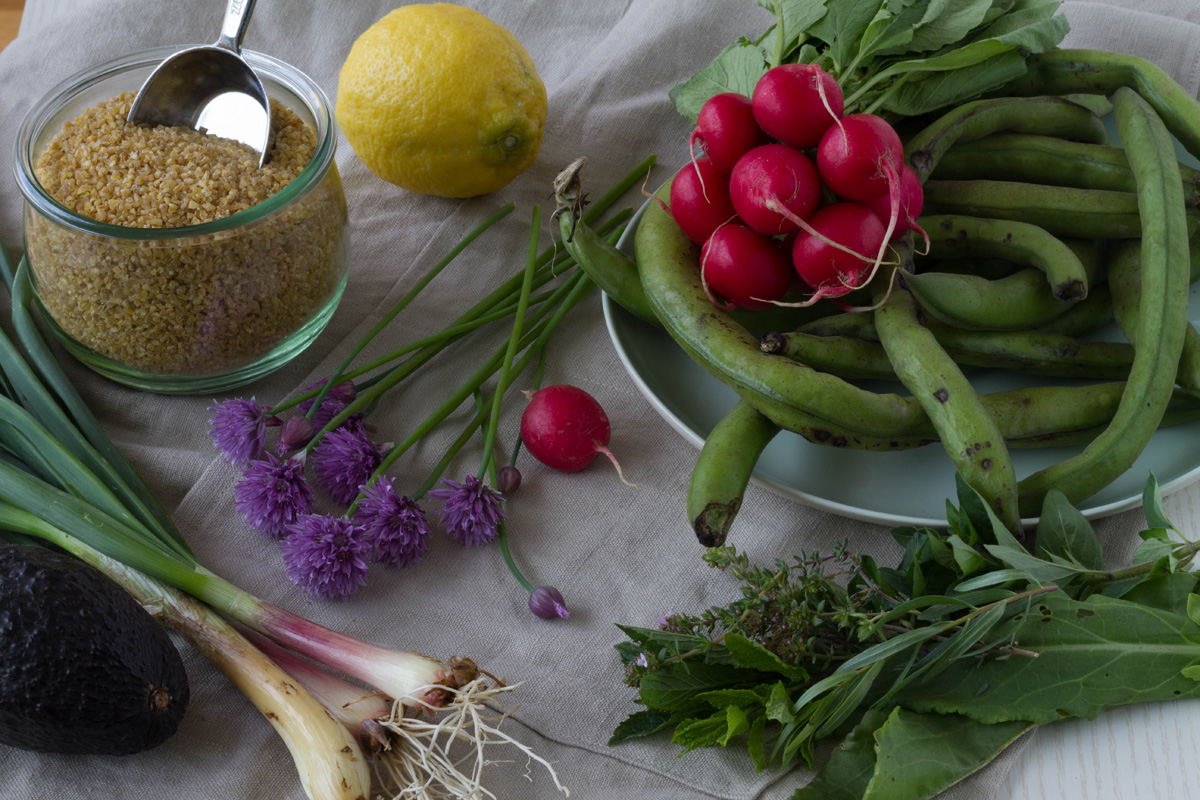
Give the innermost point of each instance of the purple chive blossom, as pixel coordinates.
(338, 398)
(238, 429)
(296, 433)
(326, 556)
(547, 602)
(471, 510)
(395, 525)
(272, 494)
(343, 461)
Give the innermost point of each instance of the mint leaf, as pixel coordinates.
(736, 69)
(1063, 531)
(754, 656)
(675, 687)
(779, 706)
(696, 733)
(737, 722)
(1152, 506)
(920, 755)
(639, 724)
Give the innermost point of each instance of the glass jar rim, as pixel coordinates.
(282, 73)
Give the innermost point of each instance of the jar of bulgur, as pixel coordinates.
(166, 259)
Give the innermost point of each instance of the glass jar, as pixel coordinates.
(195, 309)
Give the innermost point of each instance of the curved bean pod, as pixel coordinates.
(953, 235)
(1048, 160)
(1124, 275)
(1022, 300)
(968, 432)
(1053, 116)
(723, 469)
(612, 270)
(1027, 351)
(1098, 72)
(1162, 315)
(1061, 210)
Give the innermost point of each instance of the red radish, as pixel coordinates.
(565, 428)
(912, 199)
(795, 103)
(726, 129)
(854, 155)
(700, 201)
(743, 269)
(844, 256)
(773, 186)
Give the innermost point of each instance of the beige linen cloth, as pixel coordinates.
(618, 555)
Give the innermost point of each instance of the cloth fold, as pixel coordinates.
(619, 556)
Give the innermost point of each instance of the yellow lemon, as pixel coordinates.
(438, 99)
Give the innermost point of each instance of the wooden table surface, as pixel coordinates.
(10, 20)
(1140, 751)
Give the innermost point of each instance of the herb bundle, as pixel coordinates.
(891, 57)
(925, 670)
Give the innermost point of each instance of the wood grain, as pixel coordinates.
(10, 20)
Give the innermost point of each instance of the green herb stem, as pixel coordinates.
(424, 281)
(513, 340)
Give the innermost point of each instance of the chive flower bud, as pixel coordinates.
(335, 401)
(508, 479)
(296, 432)
(547, 602)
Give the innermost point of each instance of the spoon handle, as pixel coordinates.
(237, 20)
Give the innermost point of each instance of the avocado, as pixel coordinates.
(83, 667)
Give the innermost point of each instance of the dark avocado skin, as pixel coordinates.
(83, 667)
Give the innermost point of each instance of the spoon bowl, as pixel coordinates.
(210, 88)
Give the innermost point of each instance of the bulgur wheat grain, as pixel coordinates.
(186, 304)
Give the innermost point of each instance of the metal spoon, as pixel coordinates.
(210, 88)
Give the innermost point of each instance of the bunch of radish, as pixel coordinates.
(789, 189)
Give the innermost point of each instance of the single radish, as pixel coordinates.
(726, 129)
(912, 199)
(565, 428)
(700, 201)
(795, 103)
(854, 156)
(773, 187)
(743, 269)
(843, 257)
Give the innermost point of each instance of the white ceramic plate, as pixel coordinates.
(901, 488)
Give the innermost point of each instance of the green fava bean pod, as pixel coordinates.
(1051, 116)
(1022, 243)
(1032, 158)
(723, 469)
(1100, 72)
(1124, 276)
(968, 432)
(1062, 210)
(1162, 315)
(613, 271)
